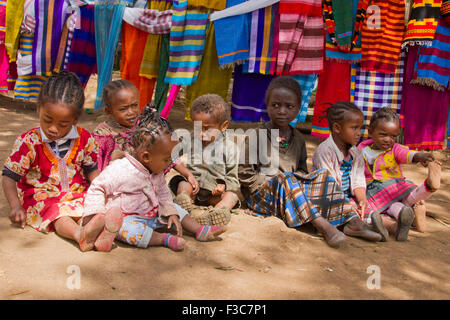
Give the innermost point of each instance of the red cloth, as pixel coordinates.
(307, 7)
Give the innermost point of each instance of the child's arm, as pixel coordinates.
(423, 157)
(183, 170)
(17, 214)
(92, 175)
(361, 200)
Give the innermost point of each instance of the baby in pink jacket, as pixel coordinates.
(133, 194)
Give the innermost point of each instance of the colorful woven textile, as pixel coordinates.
(14, 17)
(263, 41)
(162, 88)
(210, 78)
(247, 102)
(187, 40)
(445, 12)
(149, 20)
(108, 16)
(349, 53)
(381, 46)
(301, 44)
(433, 65)
(232, 38)
(375, 90)
(307, 83)
(173, 93)
(49, 35)
(208, 4)
(422, 22)
(133, 45)
(306, 7)
(424, 110)
(82, 58)
(333, 86)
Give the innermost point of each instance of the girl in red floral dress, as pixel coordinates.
(47, 174)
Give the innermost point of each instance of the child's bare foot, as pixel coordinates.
(389, 223)
(357, 228)
(420, 212)
(405, 220)
(113, 223)
(90, 232)
(209, 233)
(434, 175)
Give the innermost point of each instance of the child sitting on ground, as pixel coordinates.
(121, 100)
(289, 192)
(388, 191)
(214, 164)
(133, 194)
(48, 172)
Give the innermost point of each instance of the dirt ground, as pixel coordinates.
(256, 259)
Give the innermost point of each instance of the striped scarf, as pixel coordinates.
(343, 26)
(433, 65)
(50, 35)
(187, 40)
(263, 41)
(381, 46)
(422, 22)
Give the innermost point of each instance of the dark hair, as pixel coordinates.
(336, 113)
(114, 86)
(386, 114)
(63, 87)
(211, 104)
(284, 82)
(149, 126)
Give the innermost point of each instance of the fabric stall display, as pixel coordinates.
(232, 38)
(307, 83)
(264, 31)
(424, 127)
(381, 45)
(247, 102)
(208, 4)
(343, 21)
(422, 23)
(82, 58)
(333, 86)
(133, 45)
(210, 79)
(108, 16)
(301, 41)
(50, 35)
(373, 90)
(14, 17)
(187, 40)
(433, 64)
(27, 85)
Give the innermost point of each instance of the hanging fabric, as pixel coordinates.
(162, 88)
(264, 32)
(433, 64)
(149, 20)
(173, 93)
(232, 38)
(14, 17)
(208, 4)
(247, 102)
(333, 86)
(422, 23)
(235, 8)
(375, 90)
(424, 111)
(305, 7)
(307, 83)
(343, 20)
(108, 16)
(4, 63)
(187, 40)
(82, 57)
(210, 78)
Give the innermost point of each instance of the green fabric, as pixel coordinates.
(162, 88)
(343, 19)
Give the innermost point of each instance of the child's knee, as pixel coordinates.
(135, 232)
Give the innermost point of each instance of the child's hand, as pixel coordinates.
(218, 190)
(175, 220)
(362, 207)
(424, 158)
(18, 216)
(194, 183)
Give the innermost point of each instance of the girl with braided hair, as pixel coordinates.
(46, 176)
(133, 194)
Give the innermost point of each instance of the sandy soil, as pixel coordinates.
(256, 259)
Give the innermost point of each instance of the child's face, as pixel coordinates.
(56, 119)
(282, 106)
(384, 134)
(349, 130)
(159, 156)
(208, 123)
(124, 107)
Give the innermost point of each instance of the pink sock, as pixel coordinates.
(173, 242)
(419, 193)
(394, 209)
(207, 233)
